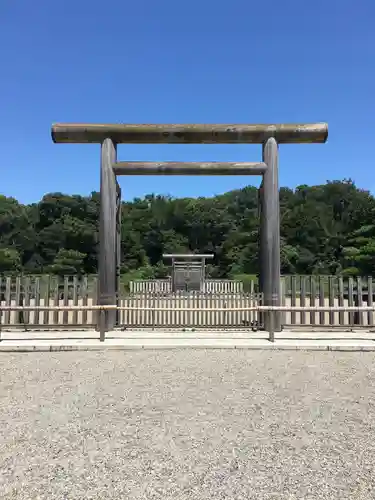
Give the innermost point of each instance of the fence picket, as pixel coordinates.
(66, 300)
(303, 300)
(350, 300)
(331, 299)
(359, 301)
(1, 303)
(56, 299)
(149, 309)
(47, 292)
(8, 298)
(84, 291)
(26, 301)
(321, 300)
(341, 300)
(370, 314)
(18, 302)
(312, 299)
(293, 298)
(36, 300)
(75, 299)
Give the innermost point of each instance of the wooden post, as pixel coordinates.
(107, 233)
(173, 276)
(36, 299)
(312, 299)
(47, 293)
(118, 252)
(84, 297)
(302, 301)
(331, 299)
(341, 301)
(293, 298)
(322, 314)
(350, 300)
(26, 302)
(271, 329)
(66, 300)
(359, 302)
(261, 250)
(56, 300)
(19, 301)
(102, 324)
(370, 314)
(270, 233)
(75, 299)
(8, 299)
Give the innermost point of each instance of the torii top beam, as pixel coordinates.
(292, 133)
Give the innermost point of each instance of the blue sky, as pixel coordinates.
(204, 61)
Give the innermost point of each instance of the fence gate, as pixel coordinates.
(187, 277)
(188, 271)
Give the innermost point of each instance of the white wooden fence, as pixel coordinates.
(165, 286)
(300, 294)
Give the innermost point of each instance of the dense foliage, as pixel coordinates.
(326, 229)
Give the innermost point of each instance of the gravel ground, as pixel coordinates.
(189, 424)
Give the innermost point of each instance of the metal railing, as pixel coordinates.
(104, 309)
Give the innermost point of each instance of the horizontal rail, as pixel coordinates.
(122, 308)
(317, 308)
(188, 256)
(151, 308)
(189, 133)
(188, 168)
(103, 308)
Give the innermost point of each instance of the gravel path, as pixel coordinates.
(188, 424)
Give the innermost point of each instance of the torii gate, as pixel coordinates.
(270, 136)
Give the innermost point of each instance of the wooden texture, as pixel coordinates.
(341, 300)
(84, 295)
(36, 299)
(370, 319)
(193, 310)
(321, 299)
(312, 298)
(107, 231)
(118, 249)
(18, 299)
(359, 301)
(56, 299)
(303, 298)
(189, 133)
(8, 295)
(261, 241)
(350, 299)
(66, 299)
(75, 299)
(26, 298)
(187, 256)
(293, 286)
(46, 301)
(188, 168)
(270, 233)
(76, 292)
(331, 299)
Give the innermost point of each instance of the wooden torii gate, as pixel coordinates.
(109, 135)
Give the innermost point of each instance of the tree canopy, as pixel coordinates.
(325, 229)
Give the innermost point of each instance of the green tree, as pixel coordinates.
(10, 261)
(326, 228)
(67, 262)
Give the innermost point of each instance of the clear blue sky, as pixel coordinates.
(207, 61)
